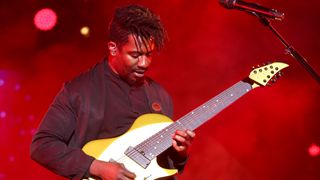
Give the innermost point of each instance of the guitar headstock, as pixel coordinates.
(266, 74)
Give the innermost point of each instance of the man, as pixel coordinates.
(105, 101)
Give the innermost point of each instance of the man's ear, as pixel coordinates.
(112, 47)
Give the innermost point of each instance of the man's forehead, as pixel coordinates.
(141, 44)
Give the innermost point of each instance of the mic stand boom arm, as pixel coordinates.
(294, 53)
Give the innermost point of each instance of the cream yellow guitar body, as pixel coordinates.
(113, 149)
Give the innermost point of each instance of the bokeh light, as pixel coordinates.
(3, 114)
(85, 31)
(314, 150)
(1, 82)
(45, 19)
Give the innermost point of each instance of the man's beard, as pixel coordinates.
(132, 80)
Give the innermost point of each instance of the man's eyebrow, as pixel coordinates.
(141, 52)
(135, 51)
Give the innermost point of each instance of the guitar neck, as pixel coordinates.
(212, 107)
(162, 140)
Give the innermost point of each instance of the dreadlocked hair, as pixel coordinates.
(139, 21)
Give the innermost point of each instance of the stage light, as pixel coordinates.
(314, 150)
(85, 31)
(1, 82)
(3, 115)
(45, 19)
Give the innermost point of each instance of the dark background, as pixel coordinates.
(265, 135)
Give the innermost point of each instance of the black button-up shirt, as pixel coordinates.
(97, 104)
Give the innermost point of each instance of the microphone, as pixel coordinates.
(252, 8)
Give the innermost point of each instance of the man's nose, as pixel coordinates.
(144, 61)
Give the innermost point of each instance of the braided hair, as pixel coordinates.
(139, 21)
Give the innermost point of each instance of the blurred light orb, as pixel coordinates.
(85, 31)
(3, 114)
(1, 82)
(45, 19)
(314, 150)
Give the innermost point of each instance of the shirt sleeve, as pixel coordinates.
(172, 160)
(50, 145)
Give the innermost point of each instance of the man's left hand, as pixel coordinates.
(182, 141)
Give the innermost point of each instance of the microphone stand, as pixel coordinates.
(294, 53)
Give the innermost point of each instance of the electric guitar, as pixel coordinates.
(151, 134)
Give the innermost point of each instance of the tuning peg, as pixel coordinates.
(273, 80)
(280, 74)
(258, 65)
(255, 67)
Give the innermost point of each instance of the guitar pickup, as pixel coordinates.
(137, 157)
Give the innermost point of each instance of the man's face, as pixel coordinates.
(131, 60)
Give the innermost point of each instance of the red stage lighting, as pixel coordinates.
(45, 19)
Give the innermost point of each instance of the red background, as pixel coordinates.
(264, 135)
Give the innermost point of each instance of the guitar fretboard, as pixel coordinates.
(162, 140)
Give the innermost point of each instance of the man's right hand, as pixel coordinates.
(110, 171)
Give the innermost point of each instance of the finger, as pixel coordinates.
(187, 143)
(128, 174)
(123, 177)
(121, 165)
(181, 147)
(177, 147)
(191, 134)
(183, 141)
(179, 139)
(181, 133)
(189, 137)
(187, 134)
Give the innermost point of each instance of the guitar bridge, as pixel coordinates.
(137, 157)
